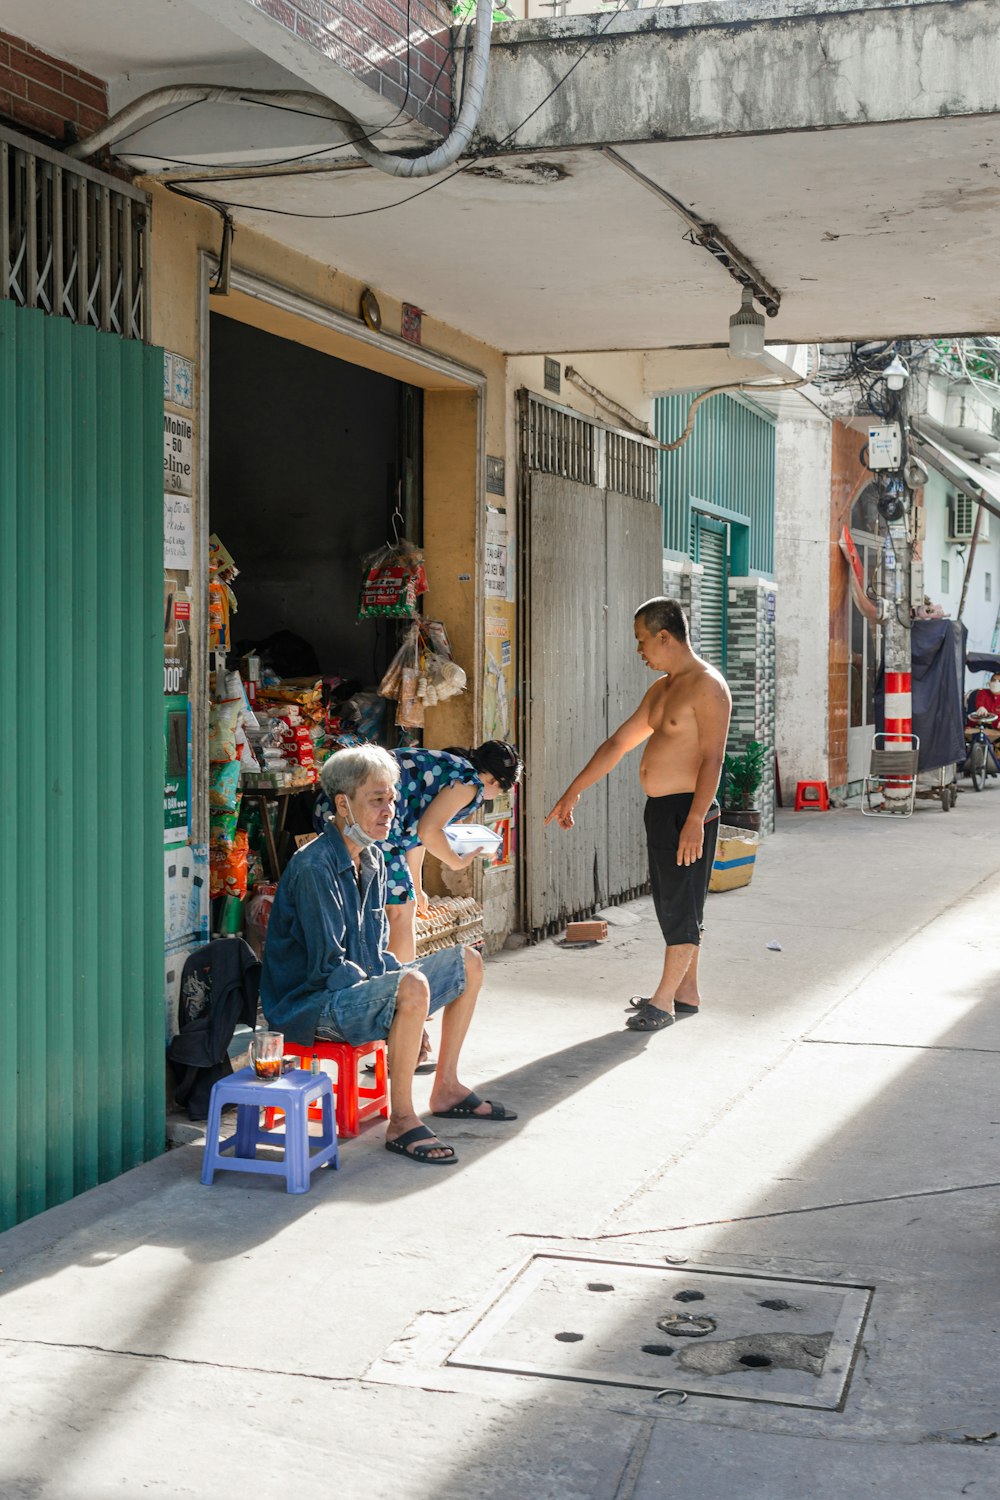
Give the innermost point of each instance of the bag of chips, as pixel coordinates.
(222, 723)
(228, 867)
(224, 785)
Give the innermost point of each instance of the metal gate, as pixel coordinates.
(81, 809)
(590, 554)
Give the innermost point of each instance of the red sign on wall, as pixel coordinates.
(412, 319)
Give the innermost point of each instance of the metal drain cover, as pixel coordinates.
(644, 1324)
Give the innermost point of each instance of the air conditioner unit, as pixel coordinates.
(962, 519)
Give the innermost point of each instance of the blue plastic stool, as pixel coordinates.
(292, 1092)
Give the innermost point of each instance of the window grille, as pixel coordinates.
(556, 440)
(74, 243)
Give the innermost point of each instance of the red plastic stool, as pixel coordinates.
(355, 1102)
(812, 796)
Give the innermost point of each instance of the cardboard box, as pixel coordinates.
(735, 855)
(586, 932)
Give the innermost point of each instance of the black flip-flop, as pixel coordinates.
(466, 1110)
(680, 1006)
(649, 1018)
(429, 1065)
(422, 1154)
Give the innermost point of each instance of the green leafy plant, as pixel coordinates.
(743, 774)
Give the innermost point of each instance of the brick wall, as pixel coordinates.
(47, 96)
(750, 672)
(682, 581)
(401, 50)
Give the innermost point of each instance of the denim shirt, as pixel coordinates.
(323, 934)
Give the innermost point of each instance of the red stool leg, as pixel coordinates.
(382, 1079)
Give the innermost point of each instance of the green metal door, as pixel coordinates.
(711, 550)
(81, 917)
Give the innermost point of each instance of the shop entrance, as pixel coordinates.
(313, 463)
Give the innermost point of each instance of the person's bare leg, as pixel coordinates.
(415, 860)
(687, 991)
(446, 1089)
(676, 963)
(403, 931)
(403, 1048)
(403, 943)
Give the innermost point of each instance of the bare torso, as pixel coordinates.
(674, 752)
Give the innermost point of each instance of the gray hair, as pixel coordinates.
(347, 770)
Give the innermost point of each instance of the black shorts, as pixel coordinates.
(679, 891)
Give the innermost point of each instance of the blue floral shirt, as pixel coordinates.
(423, 775)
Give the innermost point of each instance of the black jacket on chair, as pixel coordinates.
(220, 984)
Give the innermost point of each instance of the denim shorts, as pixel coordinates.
(364, 1012)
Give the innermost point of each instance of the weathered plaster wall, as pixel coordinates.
(802, 574)
(680, 72)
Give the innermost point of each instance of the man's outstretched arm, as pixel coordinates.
(604, 759)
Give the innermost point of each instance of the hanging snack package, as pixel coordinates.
(218, 616)
(393, 580)
(220, 562)
(222, 725)
(224, 785)
(391, 685)
(222, 825)
(410, 712)
(228, 867)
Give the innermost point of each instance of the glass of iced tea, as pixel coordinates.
(266, 1050)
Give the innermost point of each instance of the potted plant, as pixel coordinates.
(742, 775)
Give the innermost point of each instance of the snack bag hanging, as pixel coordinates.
(394, 578)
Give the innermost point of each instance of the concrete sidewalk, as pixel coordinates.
(832, 1117)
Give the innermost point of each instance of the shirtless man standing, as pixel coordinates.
(685, 719)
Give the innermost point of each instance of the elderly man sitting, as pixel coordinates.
(328, 973)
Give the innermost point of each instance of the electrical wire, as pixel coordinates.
(247, 168)
(438, 181)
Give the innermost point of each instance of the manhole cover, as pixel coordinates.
(758, 1338)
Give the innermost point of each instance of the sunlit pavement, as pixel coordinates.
(833, 1115)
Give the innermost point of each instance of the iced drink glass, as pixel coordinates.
(266, 1050)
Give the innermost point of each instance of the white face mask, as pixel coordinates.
(355, 833)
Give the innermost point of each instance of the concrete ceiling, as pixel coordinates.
(873, 229)
(564, 251)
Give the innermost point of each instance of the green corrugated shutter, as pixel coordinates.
(727, 464)
(81, 806)
(710, 551)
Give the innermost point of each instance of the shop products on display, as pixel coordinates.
(269, 734)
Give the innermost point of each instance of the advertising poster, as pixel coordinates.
(176, 630)
(496, 553)
(498, 678)
(176, 769)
